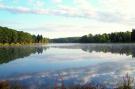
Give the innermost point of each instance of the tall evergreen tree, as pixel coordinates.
(133, 35)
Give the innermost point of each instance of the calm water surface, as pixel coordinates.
(43, 65)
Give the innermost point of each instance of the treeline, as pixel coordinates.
(66, 40)
(107, 38)
(10, 36)
(115, 37)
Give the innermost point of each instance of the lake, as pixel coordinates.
(44, 66)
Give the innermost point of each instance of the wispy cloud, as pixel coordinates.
(37, 3)
(108, 11)
(122, 11)
(57, 1)
(25, 10)
(62, 10)
(85, 7)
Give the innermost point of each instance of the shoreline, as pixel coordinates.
(20, 44)
(31, 44)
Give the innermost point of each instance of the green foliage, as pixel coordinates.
(66, 40)
(133, 35)
(85, 39)
(116, 37)
(10, 36)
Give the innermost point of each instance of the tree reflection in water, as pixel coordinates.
(128, 49)
(8, 54)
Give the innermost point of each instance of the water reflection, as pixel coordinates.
(128, 49)
(8, 54)
(115, 48)
(76, 63)
(104, 73)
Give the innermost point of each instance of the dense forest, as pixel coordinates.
(106, 38)
(10, 36)
(115, 37)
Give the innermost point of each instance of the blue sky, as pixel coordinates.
(66, 18)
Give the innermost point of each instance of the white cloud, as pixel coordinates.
(1, 5)
(56, 1)
(121, 11)
(40, 3)
(15, 10)
(71, 11)
(121, 8)
(85, 7)
(36, 3)
(62, 10)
